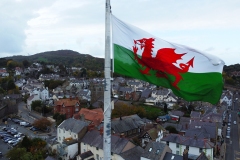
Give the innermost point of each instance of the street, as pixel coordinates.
(232, 144)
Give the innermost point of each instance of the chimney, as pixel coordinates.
(101, 131)
(185, 154)
(91, 127)
(122, 135)
(82, 117)
(195, 136)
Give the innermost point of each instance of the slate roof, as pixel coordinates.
(210, 128)
(195, 114)
(126, 123)
(171, 156)
(146, 93)
(154, 150)
(177, 113)
(86, 154)
(188, 141)
(94, 138)
(213, 117)
(133, 153)
(73, 125)
(184, 121)
(199, 132)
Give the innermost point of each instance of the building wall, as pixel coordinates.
(68, 110)
(192, 150)
(98, 153)
(62, 134)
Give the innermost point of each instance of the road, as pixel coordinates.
(232, 148)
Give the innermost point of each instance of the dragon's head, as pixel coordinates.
(145, 43)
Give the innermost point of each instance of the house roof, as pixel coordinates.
(171, 156)
(199, 132)
(154, 150)
(86, 154)
(213, 117)
(94, 115)
(146, 93)
(133, 153)
(177, 113)
(123, 124)
(195, 114)
(67, 102)
(73, 125)
(210, 128)
(94, 138)
(189, 141)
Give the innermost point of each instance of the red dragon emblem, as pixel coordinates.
(163, 63)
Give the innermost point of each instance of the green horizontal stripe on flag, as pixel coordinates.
(194, 86)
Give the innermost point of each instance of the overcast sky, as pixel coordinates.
(33, 26)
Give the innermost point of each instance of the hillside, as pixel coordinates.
(65, 57)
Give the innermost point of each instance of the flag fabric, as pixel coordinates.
(191, 74)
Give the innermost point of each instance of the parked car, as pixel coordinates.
(228, 135)
(34, 129)
(15, 120)
(234, 122)
(228, 128)
(23, 123)
(28, 125)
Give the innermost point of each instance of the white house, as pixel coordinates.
(30, 100)
(93, 141)
(195, 146)
(68, 134)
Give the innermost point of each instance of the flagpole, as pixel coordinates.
(107, 91)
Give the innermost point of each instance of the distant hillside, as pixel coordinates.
(65, 57)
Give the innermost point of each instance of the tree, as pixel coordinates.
(42, 123)
(59, 118)
(19, 153)
(36, 104)
(171, 129)
(25, 63)
(26, 143)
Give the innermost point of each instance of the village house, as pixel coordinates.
(194, 145)
(155, 151)
(93, 141)
(128, 125)
(69, 134)
(67, 106)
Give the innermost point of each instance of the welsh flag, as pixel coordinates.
(189, 73)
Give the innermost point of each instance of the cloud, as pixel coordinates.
(14, 16)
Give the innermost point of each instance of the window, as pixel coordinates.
(59, 130)
(150, 149)
(59, 138)
(177, 152)
(167, 143)
(200, 150)
(97, 148)
(187, 147)
(97, 156)
(177, 145)
(157, 152)
(63, 137)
